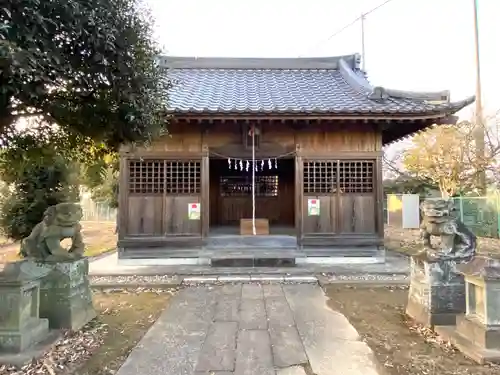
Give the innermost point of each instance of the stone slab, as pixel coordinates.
(174, 342)
(273, 290)
(341, 357)
(331, 343)
(218, 351)
(187, 339)
(312, 316)
(110, 266)
(467, 347)
(483, 336)
(278, 312)
(191, 310)
(253, 353)
(227, 309)
(253, 314)
(252, 291)
(231, 290)
(35, 351)
(286, 346)
(294, 370)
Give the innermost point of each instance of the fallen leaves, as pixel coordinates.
(66, 354)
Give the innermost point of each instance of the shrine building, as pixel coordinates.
(281, 156)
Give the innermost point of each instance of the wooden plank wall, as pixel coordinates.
(326, 222)
(161, 216)
(360, 209)
(166, 216)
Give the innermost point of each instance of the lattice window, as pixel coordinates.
(241, 186)
(162, 176)
(320, 177)
(146, 176)
(182, 177)
(356, 176)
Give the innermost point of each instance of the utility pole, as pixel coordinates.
(363, 58)
(479, 131)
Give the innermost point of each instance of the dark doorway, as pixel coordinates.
(231, 196)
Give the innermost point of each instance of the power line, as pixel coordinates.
(337, 32)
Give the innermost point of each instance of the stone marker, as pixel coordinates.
(20, 322)
(65, 295)
(477, 332)
(23, 334)
(437, 290)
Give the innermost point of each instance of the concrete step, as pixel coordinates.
(254, 257)
(242, 242)
(361, 251)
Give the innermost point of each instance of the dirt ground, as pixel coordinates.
(98, 237)
(101, 347)
(401, 347)
(407, 241)
(128, 317)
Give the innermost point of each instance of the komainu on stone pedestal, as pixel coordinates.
(437, 289)
(65, 295)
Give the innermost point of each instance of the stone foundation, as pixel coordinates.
(65, 294)
(20, 324)
(437, 292)
(477, 332)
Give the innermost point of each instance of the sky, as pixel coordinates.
(409, 44)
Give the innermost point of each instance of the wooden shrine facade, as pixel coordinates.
(318, 175)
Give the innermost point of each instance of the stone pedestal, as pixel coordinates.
(437, 291)
(65, 295)
(477, 331)
(20, 324)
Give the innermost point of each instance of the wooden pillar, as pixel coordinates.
(123, 197)
(205, 192)
(379, 198)
(299, 196)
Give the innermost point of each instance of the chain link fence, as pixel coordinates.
(97, 211)
(480, 214)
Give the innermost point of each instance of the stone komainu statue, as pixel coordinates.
(59, 222)
(457, 241)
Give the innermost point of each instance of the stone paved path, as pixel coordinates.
(250, 329)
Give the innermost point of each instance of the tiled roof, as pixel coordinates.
(332, 85)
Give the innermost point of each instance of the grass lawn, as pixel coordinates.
(128, 317)
(407, 241)
(400, 346)
(99, 237)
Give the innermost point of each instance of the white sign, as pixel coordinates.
(313, 207)
(194, 211)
